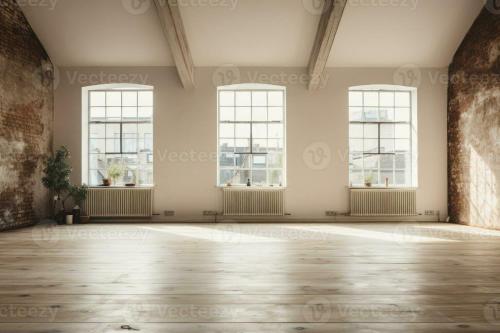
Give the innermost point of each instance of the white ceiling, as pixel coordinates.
(372, 33)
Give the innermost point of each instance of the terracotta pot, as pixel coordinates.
(106, 182)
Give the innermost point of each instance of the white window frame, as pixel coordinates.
(413, 152)
(86, 122)
(251, 87)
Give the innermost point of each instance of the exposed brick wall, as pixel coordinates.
(26, 119)
(474, 124)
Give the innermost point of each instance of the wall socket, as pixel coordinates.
(430, 212)
(210, 213)
(331, 213)
(168, 213)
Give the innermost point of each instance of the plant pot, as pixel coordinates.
(60, 217)
(368, 184)
(106, 182)
(76, 215)
(69, 219)
(84, 219)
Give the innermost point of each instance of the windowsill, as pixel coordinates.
(382, 188)
(252, 187)
(122, 186)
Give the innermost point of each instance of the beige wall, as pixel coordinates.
(185, 132)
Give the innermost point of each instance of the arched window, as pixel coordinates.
(117, 134)
(251, 135)
(383, 136)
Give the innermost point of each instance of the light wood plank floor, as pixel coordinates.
(377, 277)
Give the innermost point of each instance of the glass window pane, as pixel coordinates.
(243, 98)
(242, 131)
(145, 98)
(402, 145)
(371, 131)
(275, 98)
(402, 114)
(370, 98)
(370, 145)
(275, 130)
(226, 176)
(226, 98)
(113, 113)
(387, 131)
(242, 145)
(275, 145)
(226, 131)
(387, 162)
(259, 161)
(386, 145)
(275, 160)
(275, 114)
(401, 178)
(386, 114)
(371, 114)
(112, 145)
(259, 114)
(355, 114)
(402, 161)
(243, 114)
(145, 112)
(387, 175)
(356, 160)
(259, 177)
(113, 131)
(259, 145)
(146, 175)
(403, 99)
(226, 159)
(97, 98)
(243, 161)
(97, 161)
(145, 130)
(275, 177)
(386, 98)
(226, 145)
(356, 145)
(226, 113)
(97, 146)
(129, 98)
(259, 98)
(402, 131)
(355, 98)
(259, 131)
(95, 177)
(97, 131)
(356, 131)
(371, 161)
(113, 98)
(242, 176)
(96, 113)
(130, 112)
(356, 177)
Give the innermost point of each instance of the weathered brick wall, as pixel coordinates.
(474, 124)
(26, 119)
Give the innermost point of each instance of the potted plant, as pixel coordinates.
(114, 172)
(368, 180)
(56, 180)
(79, 194)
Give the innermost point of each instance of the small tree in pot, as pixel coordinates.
(56, 179)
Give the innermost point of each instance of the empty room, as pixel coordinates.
(249, 166)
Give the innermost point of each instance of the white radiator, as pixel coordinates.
(119, 202)
(383, 202)
(253, 201)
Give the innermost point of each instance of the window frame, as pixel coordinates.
(252, 88)
(411, 122)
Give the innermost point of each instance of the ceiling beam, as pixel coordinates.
(327, 29)
(171, 22)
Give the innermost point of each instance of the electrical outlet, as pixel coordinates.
(169, 213)
(331, 213)
(210, 213)
(430, 213)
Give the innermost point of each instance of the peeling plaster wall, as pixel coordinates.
(26, 119)
(474, 125)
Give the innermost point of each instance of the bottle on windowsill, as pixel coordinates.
(248, 182)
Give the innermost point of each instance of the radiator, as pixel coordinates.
(119, 202)
(253, 201)
(383, 202)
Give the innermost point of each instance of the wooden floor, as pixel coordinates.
(378, 277)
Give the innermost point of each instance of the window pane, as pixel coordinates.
(356, 145)
(259, 114)
(386, 114)
(402, 131)
(259, 161)
(402, 161)
(259, 145)
(355, 98)
(113, 113)
(371, 131)
(356, 131)
(356, 177)
(97, 98)
(145, 98)
(259, 177)
(275, 145)
(97, 131)
(389, 175)
(259, 98)
(242, 131)
(243, 98)
(226, 176)
(403, 99)
(226, 113)
(112, 145)
(97, 161)
(371, 114)
(370, 146)
(401, 179)
(275, 114)
(371, 161)
(226, 131)
(95, 177)
(97, 146)
(386, 98)
(145, 112)
(386, 145)
(275, 98)
(145, 175)
(356, 161)
(129, 98)
(242, 145)
(226, 145)
(370, 98)
(387, 131)
(226, 159)
(402, 114)
(275, 160)
(355, 114)
(275, 130)
(259, 131)
(96, 113)
(402, 145)
(226, 98)
(387, 162)
(113, 98)
(242, 176)
(275, 177)
(243, 114)
(243, 161)
(113, 131)
(130, 112)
